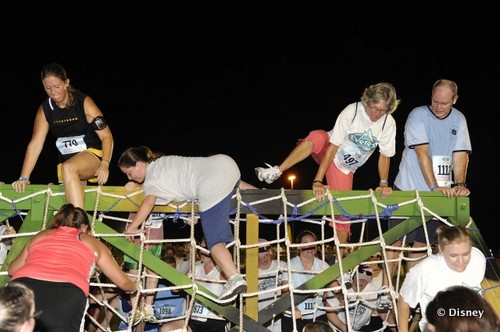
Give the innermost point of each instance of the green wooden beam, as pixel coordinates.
(117, 199)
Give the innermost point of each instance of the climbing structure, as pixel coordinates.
(252, 208)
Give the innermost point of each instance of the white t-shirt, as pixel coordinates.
(378, 280)
(358, 137)
(200, 312)
(378, 283)
(432, 275)
(268, 279)
(361, 313)
(205, 179)
(298, 278)
(184, 265)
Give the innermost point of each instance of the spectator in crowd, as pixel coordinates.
(360, 307)
(208, 275)
(17, 308)
(304, 267)
(461, 309)
(318, 326)
(456, 263)
(170, 304)
(270, 277)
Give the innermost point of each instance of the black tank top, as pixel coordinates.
(70, 127)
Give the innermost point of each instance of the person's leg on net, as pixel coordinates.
(75, 172)
(338, 180)
(149, 298)
(343, 231)
(313, 145)
(131, 266)
(145, 308)
(217, 231)
(102, 314)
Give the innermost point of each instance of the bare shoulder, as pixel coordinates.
(91, 108)
(41, 235)
(92, 242)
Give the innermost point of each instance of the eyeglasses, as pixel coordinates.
(263, 249)
(376, 109)
(35, 315)
(367, 272)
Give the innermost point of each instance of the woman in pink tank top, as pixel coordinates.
(57, 264)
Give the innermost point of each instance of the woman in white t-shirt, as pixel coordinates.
(456, 263)
(304, 267)
(207, 181)
(360, 129)
(270, 277)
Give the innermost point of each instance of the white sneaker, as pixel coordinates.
(384, 300)
(346, 280)
(148, 313)
(269, 174)
(234, 286)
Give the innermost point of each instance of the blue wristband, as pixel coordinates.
(23, 178)
(434, 187)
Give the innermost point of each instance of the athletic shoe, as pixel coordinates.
(137, 317)
(346, 280)
(269, 174)
(148, 313)
(234, 286)
(384, 300)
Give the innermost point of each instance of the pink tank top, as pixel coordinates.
(60, 257)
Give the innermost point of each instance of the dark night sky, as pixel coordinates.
(249, 78)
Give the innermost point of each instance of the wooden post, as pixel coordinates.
(252, 267)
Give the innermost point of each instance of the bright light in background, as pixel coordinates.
(291, 178)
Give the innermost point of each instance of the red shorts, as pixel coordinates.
(335, 178)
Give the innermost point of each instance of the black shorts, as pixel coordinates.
(210, 325)
(61, 305)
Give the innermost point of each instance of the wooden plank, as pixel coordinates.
(256, 201)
